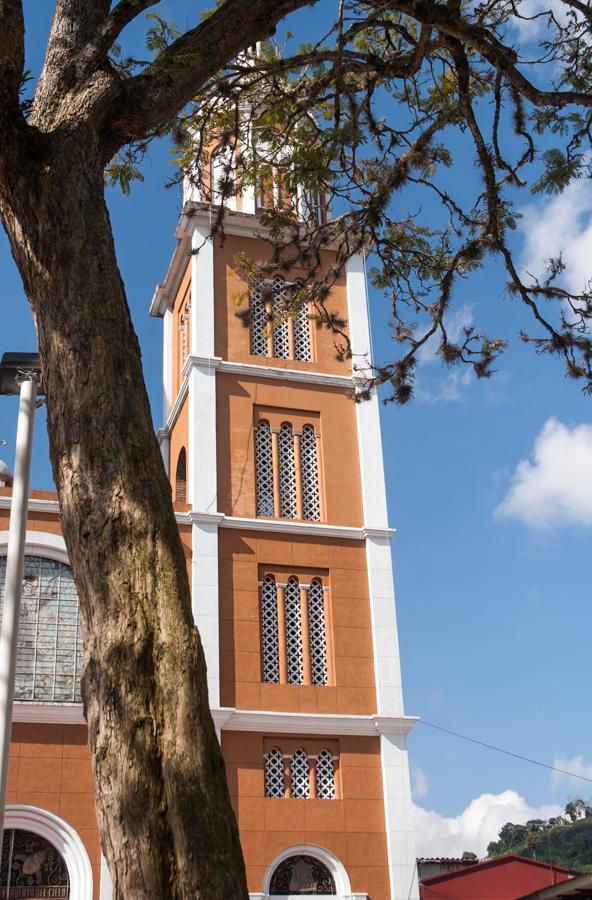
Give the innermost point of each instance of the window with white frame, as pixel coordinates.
(49, 652)
(279, 329)
(295, 454)
(294, 661)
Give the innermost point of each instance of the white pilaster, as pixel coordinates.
(202, 293)
(389, 699)
(204, 590)
(399, 817)
(106, 888)
(167, 364)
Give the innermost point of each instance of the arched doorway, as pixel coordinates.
(42, 857)
(302, 875)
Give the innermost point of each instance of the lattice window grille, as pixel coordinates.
(311, 501)
(281, 340)
(287, 472)
(325, 776)
(264, 469)
(294, 632)
(49, 651)
(316, 629)
(302, 334)
(259, 323)
(269, 631)
(274, 774)
(299, 780)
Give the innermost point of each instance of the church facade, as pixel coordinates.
(278, 485)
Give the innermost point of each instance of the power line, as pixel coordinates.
(535, 762)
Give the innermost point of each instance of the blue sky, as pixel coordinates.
(493, 608)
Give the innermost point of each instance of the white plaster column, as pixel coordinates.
(399, 817)
(106, 885)
(202, 293)
(205, 600)
(389, 700)
(167, 364)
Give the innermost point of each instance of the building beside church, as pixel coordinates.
(278, 485)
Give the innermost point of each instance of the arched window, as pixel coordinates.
(302, 334)
(31, 867)
(264, 469)
(181, 477)
(269, 630)
(302, 875)
(281, 339)
(311, 503)
(299, 780)
(287, 472)
(325, 776)
(259, 323)
(316, 630)
(294, 632)
(274, 774)
(223, 177)
(49, 653)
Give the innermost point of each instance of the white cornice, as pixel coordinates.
(58, 713)
(284, 526)
(207, 363)
(35, 506)
(165, 292)
(165, 431)
(310, 723)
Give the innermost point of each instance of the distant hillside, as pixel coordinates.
(563, 845)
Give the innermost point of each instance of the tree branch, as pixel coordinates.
(12, 53)
(152, 98)
(120, 16)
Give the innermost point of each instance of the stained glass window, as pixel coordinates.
(31, 867)
(49, 653)
(302, 875)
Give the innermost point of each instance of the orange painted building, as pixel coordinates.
(279, 493)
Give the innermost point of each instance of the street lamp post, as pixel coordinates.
(19, 374)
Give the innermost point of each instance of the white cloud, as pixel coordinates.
(420, 785)
(554, 487)
(578, 766)
(531, 29)
(477, 825)
(560, 224)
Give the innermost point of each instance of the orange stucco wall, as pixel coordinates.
(239, 398)
(49, 767)
(183, 297)
(243, 556)
(231, 296)
(179, 437)
(351, 826)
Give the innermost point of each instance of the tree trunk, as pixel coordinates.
(167, 826)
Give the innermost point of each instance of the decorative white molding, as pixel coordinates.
(285, 526)
(165, 292)
(61, 836)
(50, 713)
(165, 431)
(40, 543)
(35, 506)
(335, 866)
(230, 719)
(256, 370)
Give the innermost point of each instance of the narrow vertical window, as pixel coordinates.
(325, 776)
(281, 341)
(287, 472)
(259, 323)
(181, 477)
(264, 469)
(311, 503)
(294, 632)
(274, 774)
(269, 631)
(302, 334)
(299, 781)
(316, 630)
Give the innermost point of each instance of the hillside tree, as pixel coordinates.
(367, 111)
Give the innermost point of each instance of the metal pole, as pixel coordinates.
(14, 574)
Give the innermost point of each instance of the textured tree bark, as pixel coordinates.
(167, 825)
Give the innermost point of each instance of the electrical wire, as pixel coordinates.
(535, 762)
